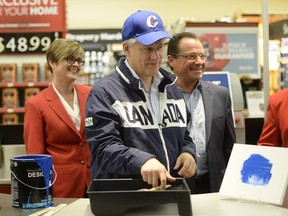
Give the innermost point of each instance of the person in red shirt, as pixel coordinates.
(275, 129)
(54, 121)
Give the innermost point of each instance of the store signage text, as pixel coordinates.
(32, 11)
(103, 36)
(26, 7)
(234, 50)
(26, 43)
(26, 2)
(32, 16)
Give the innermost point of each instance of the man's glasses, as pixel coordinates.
(71, 60)
(193, 56)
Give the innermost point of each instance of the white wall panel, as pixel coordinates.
(85, 14)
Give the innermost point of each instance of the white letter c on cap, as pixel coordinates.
(152, 21)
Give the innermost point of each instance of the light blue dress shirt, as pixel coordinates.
(196, 127)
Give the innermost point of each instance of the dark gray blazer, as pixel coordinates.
(220, 132)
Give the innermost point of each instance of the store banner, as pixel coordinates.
(32, 16)
(231, 49)
(96, 39)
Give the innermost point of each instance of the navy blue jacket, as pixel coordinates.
(122, 130)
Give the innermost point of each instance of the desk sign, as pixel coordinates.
(257, 173)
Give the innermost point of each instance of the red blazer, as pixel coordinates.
(275, 129)
(48, 129)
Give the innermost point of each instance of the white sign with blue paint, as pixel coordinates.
(257, 173)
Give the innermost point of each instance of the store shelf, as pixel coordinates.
(23, 84)
(12, 110)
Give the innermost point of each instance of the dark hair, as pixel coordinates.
(173, 44)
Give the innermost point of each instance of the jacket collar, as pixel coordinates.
(56, 105)
(127, 76)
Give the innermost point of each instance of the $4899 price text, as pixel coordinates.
(29, 43)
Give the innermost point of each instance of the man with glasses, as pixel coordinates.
(136, 117)
(211, 126)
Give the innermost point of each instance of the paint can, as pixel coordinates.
(31, 181)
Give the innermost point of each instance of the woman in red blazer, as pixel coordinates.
(275, 129)
(54, 121)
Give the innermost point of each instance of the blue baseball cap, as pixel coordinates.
(145, 26)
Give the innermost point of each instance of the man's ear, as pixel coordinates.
(125, 48)
(171, 60)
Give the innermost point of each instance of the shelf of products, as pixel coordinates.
(17, 84)
(103, 48)
(24, 74)
(13, 101)
(23, 84)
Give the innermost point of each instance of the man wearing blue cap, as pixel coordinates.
(136, 117)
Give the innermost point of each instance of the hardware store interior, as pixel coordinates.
(256, 66)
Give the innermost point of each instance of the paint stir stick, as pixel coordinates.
(56, 209)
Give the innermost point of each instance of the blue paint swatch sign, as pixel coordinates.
(256, 170)
(257, 173)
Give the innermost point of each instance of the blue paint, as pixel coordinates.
(45, 163)
(256, 170)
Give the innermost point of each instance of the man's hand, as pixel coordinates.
(154, 172)
(185, 165)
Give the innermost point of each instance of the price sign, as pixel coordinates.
(25, 43)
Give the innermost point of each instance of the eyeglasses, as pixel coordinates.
(71, 60)
(193, 56)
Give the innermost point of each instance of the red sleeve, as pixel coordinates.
(34, 133)
(271, 134)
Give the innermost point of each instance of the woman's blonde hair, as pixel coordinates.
(60, 49)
